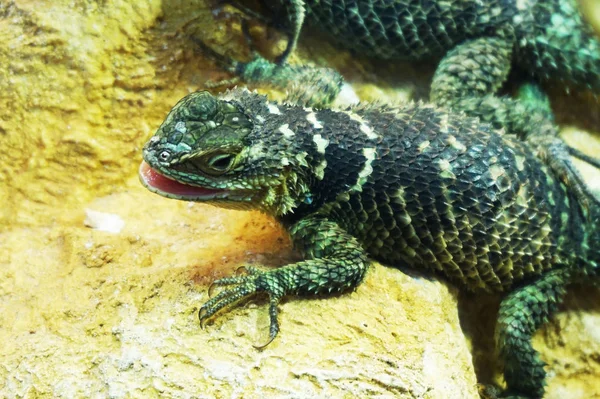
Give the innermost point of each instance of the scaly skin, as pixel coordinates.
(549, 37)
(476, 41)
(412, 186)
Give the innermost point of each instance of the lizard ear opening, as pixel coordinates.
(221, 162)
(214, 164)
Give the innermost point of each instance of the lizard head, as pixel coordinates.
(216, 150)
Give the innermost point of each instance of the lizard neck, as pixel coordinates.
(326, 154)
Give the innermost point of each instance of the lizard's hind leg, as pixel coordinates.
(530, 93)
(468, 78)
(552, 149)
(521, 313)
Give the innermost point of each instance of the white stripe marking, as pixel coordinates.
(321, 143)
(366, 129)
(364, 125)
(273, 109)
(286, 131)
(363, 175)
(312, 118)
(320, 169)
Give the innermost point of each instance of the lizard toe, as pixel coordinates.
(240, 287)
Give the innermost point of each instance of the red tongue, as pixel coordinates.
(152, 178)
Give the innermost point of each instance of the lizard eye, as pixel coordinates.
(164, 156)
(219, 164)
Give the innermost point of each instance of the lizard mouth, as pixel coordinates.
(162, 185)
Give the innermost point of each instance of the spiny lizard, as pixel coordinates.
(411, 185)
(476, 41)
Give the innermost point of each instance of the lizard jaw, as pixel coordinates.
(162, 185)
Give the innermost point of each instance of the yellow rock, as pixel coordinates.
(101, 280)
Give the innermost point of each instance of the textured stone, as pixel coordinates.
(90, 313)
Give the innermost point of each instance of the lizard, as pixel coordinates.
(474, 41)
(412, 185)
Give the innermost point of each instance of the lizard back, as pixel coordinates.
(430, 190)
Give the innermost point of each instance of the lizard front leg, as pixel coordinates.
(335, 261)
(306, 85)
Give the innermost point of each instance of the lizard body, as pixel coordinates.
(412, 185)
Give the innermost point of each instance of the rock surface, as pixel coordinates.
(100, 280)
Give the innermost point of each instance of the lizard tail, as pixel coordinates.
(562, 46)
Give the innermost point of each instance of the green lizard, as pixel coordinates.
(475, 42)
(412, 185)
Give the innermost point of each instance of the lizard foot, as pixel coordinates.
(242, 286)
(320, 86)
(237, 68)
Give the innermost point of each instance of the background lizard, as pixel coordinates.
(412, 186)
(476, 41)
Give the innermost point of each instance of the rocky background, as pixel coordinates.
(101, 281)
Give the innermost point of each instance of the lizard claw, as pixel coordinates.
(253, 282)
(210, 289)
(241, 269)
(201, 316)
(274, 324)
